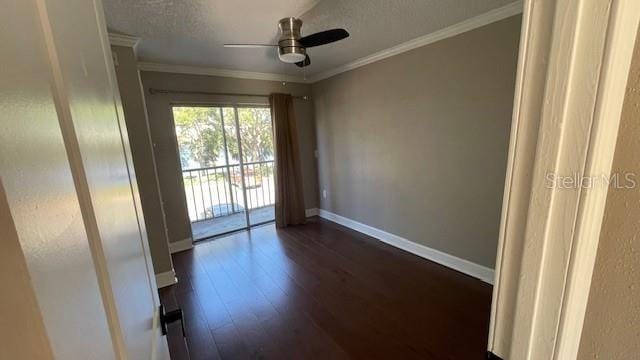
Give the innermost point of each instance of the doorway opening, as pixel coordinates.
(227, 159)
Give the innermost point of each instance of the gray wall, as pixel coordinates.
(133, 105)
(164, 138)
(416, 144)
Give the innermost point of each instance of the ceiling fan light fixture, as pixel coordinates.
(292, 54)
(292, 47)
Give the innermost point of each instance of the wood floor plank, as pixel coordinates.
(357, 279)
(229, 311)
(297, 300)
(382, 315)
(310, 284)
(297, 335)
(435, 286)
(248, 308)
(329, 286)
(322, 291)
(199, 339)
(430, 279)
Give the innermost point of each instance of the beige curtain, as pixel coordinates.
(289, 195)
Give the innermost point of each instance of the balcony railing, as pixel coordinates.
(216, 191)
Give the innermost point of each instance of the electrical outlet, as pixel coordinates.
(324, 193)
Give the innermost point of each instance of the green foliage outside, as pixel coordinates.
(256, 133)
(199, 133)
(200, 137)
(201, 143)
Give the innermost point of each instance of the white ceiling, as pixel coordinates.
(193, 32)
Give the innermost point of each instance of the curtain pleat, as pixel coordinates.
(289, 207)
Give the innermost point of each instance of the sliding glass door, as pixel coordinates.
(226, 154)
(256, 134)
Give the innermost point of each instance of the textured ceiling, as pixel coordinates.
(193, 32)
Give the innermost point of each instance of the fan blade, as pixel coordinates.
(304, 62)
(323, 37)
(248, 45)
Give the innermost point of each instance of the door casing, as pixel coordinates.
(572, 72)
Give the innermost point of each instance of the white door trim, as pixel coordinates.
(166, 278)
(181, 245)
(572, 72)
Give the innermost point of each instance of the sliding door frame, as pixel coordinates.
(241, 163)
(254, 106)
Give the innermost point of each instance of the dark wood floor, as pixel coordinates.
(322, 291)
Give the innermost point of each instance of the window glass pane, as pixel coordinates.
(232, 136)
(256, 134)
(210, 140)
(213, 189)
(199, 135)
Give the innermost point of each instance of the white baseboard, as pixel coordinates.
(311, 212)
(166, 278)
(464, 266)
(181, 245)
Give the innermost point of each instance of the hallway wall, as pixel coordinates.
(144, 162)
(71, 200)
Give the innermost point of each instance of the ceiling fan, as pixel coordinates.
(292, 48)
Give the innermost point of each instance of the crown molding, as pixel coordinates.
(124, 40)
(489, 17)
(450, 31)
(197, 70)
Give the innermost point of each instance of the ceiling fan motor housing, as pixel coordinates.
(289, 48)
